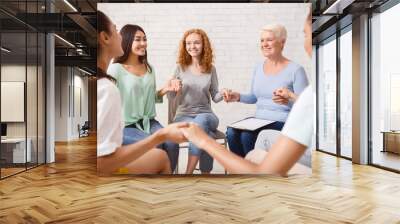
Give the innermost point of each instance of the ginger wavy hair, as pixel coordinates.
(184, 59)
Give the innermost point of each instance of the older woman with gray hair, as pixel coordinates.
(276, 83)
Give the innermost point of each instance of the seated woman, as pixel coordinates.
(270, 78)
(200, 84)
(141, 157)
(136, 82)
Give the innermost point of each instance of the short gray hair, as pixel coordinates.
(278, 30)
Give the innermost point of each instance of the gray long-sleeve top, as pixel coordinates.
(197, 90)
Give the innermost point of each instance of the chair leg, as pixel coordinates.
(226, 172)
(176, 171)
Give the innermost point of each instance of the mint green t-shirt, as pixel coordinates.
(138, 95)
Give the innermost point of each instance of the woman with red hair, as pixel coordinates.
(198, 75)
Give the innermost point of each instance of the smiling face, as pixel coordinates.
(194, 45)
(270, 45)
(139, 44)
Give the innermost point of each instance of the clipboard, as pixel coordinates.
(250, 124)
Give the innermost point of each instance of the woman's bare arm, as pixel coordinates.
(281, 157)
(128, 153)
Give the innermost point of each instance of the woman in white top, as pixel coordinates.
(141, 157)
(286, 151)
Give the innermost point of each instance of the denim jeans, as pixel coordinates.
(242, 142)
(209, 123)
(133, 135)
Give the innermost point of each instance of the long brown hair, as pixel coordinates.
(103, 25)
(184, 59)
(128, 34)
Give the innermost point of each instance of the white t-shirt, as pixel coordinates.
(109, 117)
(300, 124)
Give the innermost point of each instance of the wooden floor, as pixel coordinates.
(10, 171)
(387, 159)
(69, 191)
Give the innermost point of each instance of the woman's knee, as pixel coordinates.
(211, 118)
(207, 121)
(232, 133)
(278, 125)
(162, 159)
(247, 135)
(194, 151)
(155, 126)
(202, 124)
(133, 135)
(206, 162)
(183, 119)
(152, 162)
(248, 140)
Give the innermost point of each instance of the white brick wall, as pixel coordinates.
(234, 31)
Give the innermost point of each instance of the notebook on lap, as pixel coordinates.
(250, 124)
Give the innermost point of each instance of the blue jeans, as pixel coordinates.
(242, 142)
(133, 135)
(209, 123)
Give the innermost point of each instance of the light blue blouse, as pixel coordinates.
(293, 77)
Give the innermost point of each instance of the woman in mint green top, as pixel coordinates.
(137, 85)
(138, 94)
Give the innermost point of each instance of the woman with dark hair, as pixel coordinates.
(200, 85)
(141, 157)
(136, 82)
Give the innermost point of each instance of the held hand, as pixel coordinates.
(280, 100)
(282, 96)
(282, 92)
(234, 97)
(196, 135)
(176, 84)
(225, 94)
(173, 132)
(173, 85)
(230, 96)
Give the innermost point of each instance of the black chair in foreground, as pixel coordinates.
(84, 130)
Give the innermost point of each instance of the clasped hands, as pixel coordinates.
(230, 96)
(280, 96)
(173, 85)
(183, 132)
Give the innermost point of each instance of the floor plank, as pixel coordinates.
(69, 191)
